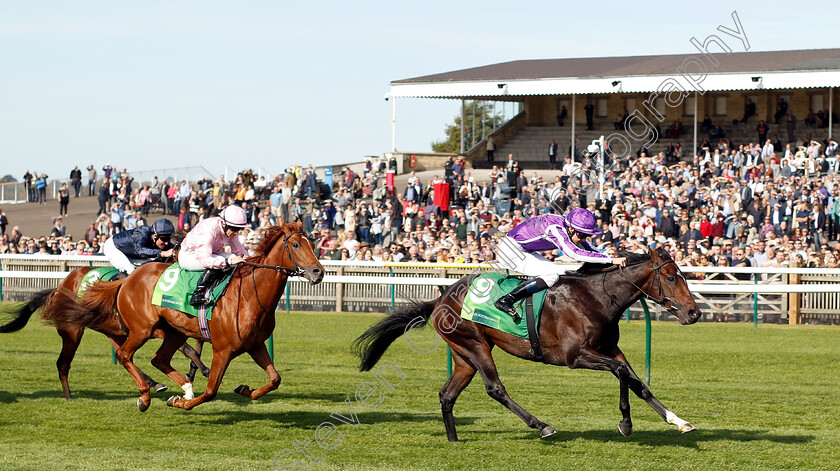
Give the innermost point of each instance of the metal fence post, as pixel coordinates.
(755, 304)
(647, 341)
(393, 292)
(448, 350)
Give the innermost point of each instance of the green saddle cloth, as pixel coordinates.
(95, 276)
(485, 290)
(176, 286)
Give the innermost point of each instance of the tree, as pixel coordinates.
(480, 112)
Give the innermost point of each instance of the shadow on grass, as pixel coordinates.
(308, 419)
(674, 438)
(9, 397)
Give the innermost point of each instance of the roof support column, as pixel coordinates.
(830, 109)
(463, 125)
(393, 124)
(694, 152)
(573, 129)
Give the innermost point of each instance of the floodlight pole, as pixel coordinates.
(601, 169)
(573, 130)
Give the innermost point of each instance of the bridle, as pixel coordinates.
(296, 271)
(664, 301)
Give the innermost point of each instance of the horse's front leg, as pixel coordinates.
(196, 364)
(483, 362)
(260, 355)
(593, 360)
(641, 390)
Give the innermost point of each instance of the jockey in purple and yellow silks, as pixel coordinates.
(547, 232)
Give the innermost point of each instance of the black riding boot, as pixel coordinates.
(207, 280)
(525, 289)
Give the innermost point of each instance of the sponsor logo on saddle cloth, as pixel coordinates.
(485, 290)
(95, 276)
(175, 287)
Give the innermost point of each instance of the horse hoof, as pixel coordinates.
(687, 427)
(161, 388)
(141, 405)
(547, 431)
(240, 389)
(625, 429)
(171, 401)
(206, 372)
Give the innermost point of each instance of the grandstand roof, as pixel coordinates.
(813, 68)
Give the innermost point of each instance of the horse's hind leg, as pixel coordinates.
(70, 340)
(125, 355)
(162, 359)
(640, 389)
(221, 360)
(262, 358)
(483, 361)
(461, 377)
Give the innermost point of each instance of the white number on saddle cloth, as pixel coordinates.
(168, 280)
(92, 280)
(482, 290)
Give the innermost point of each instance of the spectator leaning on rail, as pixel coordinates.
(547, 232)
(203, 248)
(141, 243)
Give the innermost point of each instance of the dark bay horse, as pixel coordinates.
(71, 336)
(578, 328)
(242, 320)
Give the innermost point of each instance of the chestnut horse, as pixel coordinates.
(578, 328)
(242, 320)
(71, 336)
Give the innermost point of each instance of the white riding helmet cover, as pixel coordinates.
(234, 216)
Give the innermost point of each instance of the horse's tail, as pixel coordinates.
(98, 302)
(371, 345)
(21, 312)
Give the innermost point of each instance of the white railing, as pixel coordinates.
(795, 293)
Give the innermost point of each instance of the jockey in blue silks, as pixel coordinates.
(547, 232)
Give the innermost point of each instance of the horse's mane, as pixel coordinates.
(633, 258)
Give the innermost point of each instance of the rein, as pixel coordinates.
(665, 301)
(296, 271)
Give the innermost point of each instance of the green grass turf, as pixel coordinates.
(765, 398)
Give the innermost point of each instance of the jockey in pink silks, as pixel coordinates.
(547, 232)
(203, 249)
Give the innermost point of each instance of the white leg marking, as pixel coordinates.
(188, 391)
(681, 424)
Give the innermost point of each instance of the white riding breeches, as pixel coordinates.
(189, 262)
(513, 257)
(117, 258)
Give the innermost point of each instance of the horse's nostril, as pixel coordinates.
(317, 272)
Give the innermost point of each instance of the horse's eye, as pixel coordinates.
(672, 279)
(295, 245)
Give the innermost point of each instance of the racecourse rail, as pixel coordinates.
(791, 295)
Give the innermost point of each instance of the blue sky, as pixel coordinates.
(154, 84)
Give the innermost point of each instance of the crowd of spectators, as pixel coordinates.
(747, 205)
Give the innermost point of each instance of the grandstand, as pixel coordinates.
(803, 79)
